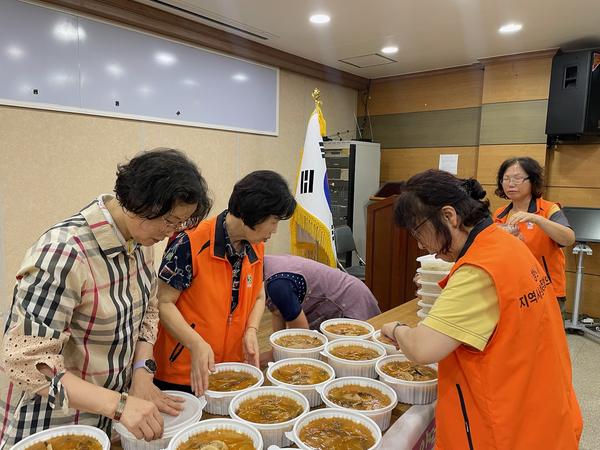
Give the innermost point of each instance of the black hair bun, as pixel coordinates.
(474, 189)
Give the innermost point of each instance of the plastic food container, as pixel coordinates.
(380, 416)
(347, 368)
(332, 336)
(308, 390)
(430, 262)
(217, 424)
(80, 430)
(280, 352)
(191, 413)
(294, 435)
(425, 307)
(411, 392)
(217, 402)
(389, 348)
(431, 276)
(422, 313)
(429, 287)
(272, 433)
(428, 299)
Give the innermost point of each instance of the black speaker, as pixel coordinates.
(574, 99)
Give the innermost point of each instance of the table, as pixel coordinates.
(417, 423)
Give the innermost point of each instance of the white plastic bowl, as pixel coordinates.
(389, 348)
(427, 298)
(272, 433)
(429, 287)
(81, 430)
(348, 368)
(332, 336)
(431, 276)
(380, 416)
(422, 313)
(217, 424)
(425, 307)
(294, 435)
(308, 390)
(191, 414)
(217, 402)
(430, 262)
(280, 352)
(411, 392)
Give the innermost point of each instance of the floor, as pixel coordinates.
(585, 355)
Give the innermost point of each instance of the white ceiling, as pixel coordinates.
(431, 34)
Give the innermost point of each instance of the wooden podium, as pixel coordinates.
(391, 256)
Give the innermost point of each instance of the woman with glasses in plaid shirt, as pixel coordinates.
(78, 340)
(539, 223)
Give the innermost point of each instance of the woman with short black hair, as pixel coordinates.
(540, 223)
(504, 368)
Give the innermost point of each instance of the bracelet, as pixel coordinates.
(120, 406)
(256, 328)
(398, 324)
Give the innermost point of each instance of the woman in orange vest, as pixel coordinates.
(211, 295)
(539, 223)
(504, 380)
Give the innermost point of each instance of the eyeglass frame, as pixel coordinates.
(178, 226)
(517, 181)
(413, 231)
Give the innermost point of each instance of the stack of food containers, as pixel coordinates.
(431, 272)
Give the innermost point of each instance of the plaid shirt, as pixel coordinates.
(82, 300)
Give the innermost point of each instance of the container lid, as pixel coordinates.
(191, 413)
(420, 293)
(425, 305)
(432, 272)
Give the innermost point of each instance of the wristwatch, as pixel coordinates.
(148, 364)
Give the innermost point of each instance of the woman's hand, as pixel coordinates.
(250, 347)
(143, 387)
(203, 363)
(388, 331)
(142, 419)
(522, 216)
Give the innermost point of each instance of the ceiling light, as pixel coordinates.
(189, 82)
(145, 90)
(389, 50)
(320, 18)
(15, 52)
(166, 59)
(67, 32)
(114, 69)
(510, 28)
(239, 77)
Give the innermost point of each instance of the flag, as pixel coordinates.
(311, 226)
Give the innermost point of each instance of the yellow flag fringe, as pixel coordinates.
(318, 231)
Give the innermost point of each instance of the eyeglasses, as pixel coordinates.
(515, 180)
(414, 233)
(178, 226)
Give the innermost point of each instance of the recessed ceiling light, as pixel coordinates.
(114, 69)
(14, 51)
(240, 77)
(165, 59)
(510, 28)
(389, 50)
(320, 18)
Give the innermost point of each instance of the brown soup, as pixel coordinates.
(68, 442)
(230, 380)
(358, 397)
(385, 340)
(301, 374)
(299, 341)
(269, 408)
(218, 440)
(355, 352)
(336, 433)
(347, 329)
(409, 371)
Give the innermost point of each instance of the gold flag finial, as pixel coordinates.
(316, 95)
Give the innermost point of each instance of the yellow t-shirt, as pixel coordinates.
(467, 309)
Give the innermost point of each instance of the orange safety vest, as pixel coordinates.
(517, 393)
(205, 305)
(545, 249)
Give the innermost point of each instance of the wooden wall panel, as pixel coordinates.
(426, 92)
(491, 156)
(495, 201)
(590, 303)
(517, 80)
(574, 165)
(574, 196)
(401, 164)
(591, 263)
(444, 128)
(514, 122)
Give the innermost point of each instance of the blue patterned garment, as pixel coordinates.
(286, 292)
